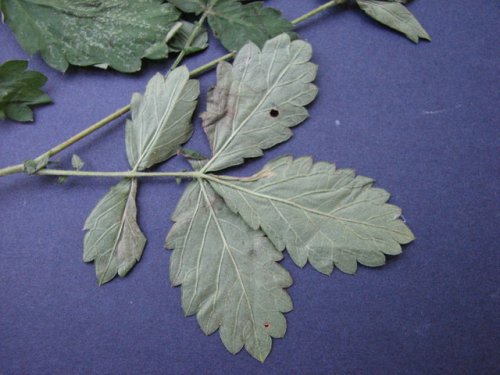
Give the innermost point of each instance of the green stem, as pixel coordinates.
(19, 168)
(189, 41)
(125, 174)
(317, 10)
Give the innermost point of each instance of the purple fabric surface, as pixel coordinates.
(421, 120)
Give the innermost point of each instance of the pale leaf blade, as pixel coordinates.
(258, 99)
(396, 16)
(115, 33)
(161, 118)
(229, 273)
(114, 240)
(236, 24)
(322, 215)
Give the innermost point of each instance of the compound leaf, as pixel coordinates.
(116, 33)
(396, 16)
(228, 272)
(20, 89)
(114, 240)
(322, 215)
(161, 118)
(258, 99)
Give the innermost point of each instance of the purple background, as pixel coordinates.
(422, 120)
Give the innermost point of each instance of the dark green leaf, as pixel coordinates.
(228, 272)
(113, 240)
(320, 214)
(116, 33)
(20, 89)
(396, 16)
(236, 24)
(190, 6)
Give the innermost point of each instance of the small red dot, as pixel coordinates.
(267, 325)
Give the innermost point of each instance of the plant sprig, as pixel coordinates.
(229, 233)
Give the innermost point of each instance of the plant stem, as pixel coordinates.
(317, 10)
(19, 168)
(125, 174)
(190, 40)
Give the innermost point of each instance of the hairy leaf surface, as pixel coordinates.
(396, 16)
(20, 89)
(258, 99)
(236, 24)
(114, 240)
(161, 119)
(322, 215)
(116, 33)
(228, 272)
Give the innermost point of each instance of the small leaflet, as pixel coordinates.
(19, 90)
(396, 16)
(179, 40)
(114, 240)
(76, 162)
(161, 118)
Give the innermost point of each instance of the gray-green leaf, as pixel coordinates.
(258, 99)
(228, 271)
(20, 89)
(322, 215)
(77, 162)
(33, 166)
(161, 119)
(395, 15)
(114, 240)
(116, 33)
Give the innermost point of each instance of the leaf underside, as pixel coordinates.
(228, 272)
(20, 89)
(257, 99)
(161, 123)
(113, 240)
(161, 119)
(115, 33)
(396, 16)
(236, 24)
(322, 215)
